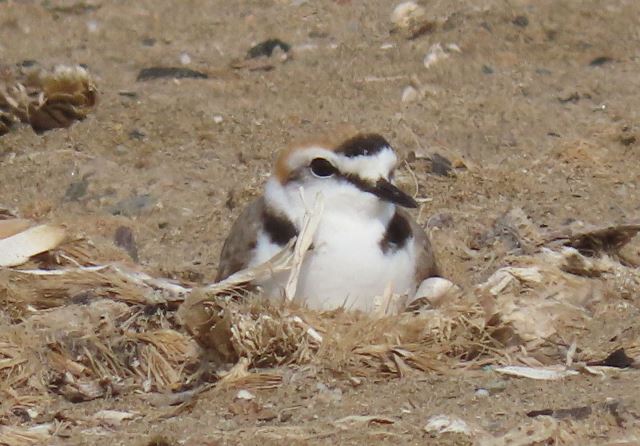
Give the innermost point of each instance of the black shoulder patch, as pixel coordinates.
(279, 228)
(362, 145)
(397, 233)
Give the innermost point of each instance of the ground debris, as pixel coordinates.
(609, 239)
(267, 47)
(540, 373)
(152, 73)
(442, 424)
(26, 436)
(96, 339)
(46, 99)
(264, 56)
(16, 249)
(617, 359)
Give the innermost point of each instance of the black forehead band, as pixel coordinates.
(362, 145)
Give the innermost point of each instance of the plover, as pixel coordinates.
(366, 244)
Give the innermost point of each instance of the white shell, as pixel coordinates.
(406, 13)
(18, 248)
(434, 288)
(409, 94)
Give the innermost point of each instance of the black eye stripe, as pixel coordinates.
(322, 168)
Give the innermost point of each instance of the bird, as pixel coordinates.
(366, 243)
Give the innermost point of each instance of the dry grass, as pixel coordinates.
(84, 331)
(46, 99)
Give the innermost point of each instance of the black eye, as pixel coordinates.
(322, 168)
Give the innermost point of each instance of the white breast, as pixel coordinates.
(346, 266)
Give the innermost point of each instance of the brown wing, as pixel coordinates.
(241, 241)
(426, 265)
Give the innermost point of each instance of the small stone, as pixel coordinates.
(267, 47)
(440, 165)
(628, 140)
(92, 26)
(482, 393)
(411, 20)
(152, 73)
(453, 48)
(137, 134)
(435, 54)
(218, 119)
(406, 13)
(486, 69)
(77, 189)
(496, 386)
(133, 206)
(185, 59)
(521, 20)
(266, 415)
(121, 149)
(409, 94)
(601, 60)
(327, 394)
(245, 395)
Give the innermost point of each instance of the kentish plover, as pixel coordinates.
(365, 244)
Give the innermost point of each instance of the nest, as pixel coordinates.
(46, 99)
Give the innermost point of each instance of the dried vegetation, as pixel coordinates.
(45, 99)
(84, 330)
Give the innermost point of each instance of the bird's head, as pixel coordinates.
(353, 176)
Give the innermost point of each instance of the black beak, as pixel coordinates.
(388, 192)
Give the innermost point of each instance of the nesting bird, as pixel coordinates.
(366, 244)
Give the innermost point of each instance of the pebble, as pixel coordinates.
(185, 59)
(440, 165)
(169, 72)
(245, 395)
(267, 48)
(405, 14)
(522, 21)
(77, 189)
(121, 149)
(483, 393)
(327, 394)
(137, 134)
(496, 386)
(410, 19)
(601, 60)
(409, 94)
(92, 26)
(133, 206)
(435, 54)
